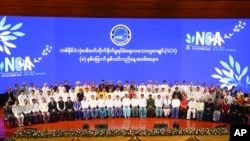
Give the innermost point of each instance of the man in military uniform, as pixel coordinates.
(150, 106)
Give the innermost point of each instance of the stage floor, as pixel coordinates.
(113, 123)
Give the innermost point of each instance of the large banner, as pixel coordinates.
(47, 49)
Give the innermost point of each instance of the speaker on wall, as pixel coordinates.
(101, 126)
(161, 125)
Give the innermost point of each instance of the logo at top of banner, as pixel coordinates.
(212, 40)
(120, 35)
(13, 65)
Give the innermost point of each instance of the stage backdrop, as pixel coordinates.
(49, 49)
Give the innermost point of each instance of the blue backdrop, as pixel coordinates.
(47, 49)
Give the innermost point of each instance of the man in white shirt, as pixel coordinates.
(163, 92)
(229, 97)
(17, 111)
(40, 96)
(118, 92)
(190, 92)
(109, 103)
(164, 84)
(78, 86)
(126, 106)
(93, 92)
(65, 94)
(134, 105)
(111, 93)
(27, 111)
(157, 85)
(175, 107)
(93, 107)
(87, 93)
(192, 106)
(184, 87)
(169, 93)
(150, 84)
(38, 89)
(156, 93)
(61, 88)
(126, 85)
(45, 88)
(85, 85)
(32, 95)
(142, 106)
(124, 92)
(35, 111)
(101, 107)
(176, 84)
(204, 86)
(199, 109)
(85, 108)
(49, 96)
(31, 87)
(72, 93)
(25, 88)
(197, 93)
(205, 95)
(117, 106)
(158, 106)
(141, 91)
(21, 98)
(44, 108)
(167, 106)
(142, 85)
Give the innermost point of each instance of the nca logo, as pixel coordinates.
(22, 64)
(205, 39)
(16, 64)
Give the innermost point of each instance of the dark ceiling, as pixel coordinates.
(128, 8)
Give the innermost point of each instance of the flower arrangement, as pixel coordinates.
(118, 132)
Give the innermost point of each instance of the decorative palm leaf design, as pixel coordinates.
(232, 74)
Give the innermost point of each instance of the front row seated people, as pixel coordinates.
(35, 111)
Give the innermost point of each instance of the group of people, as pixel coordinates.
(61, 101)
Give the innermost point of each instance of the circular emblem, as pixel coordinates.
(120, 35)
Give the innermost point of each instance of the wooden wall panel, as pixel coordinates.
(128, 8)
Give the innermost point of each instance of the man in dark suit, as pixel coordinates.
(233, 91)
(8, 96)
(209, 110)
(177, 92)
